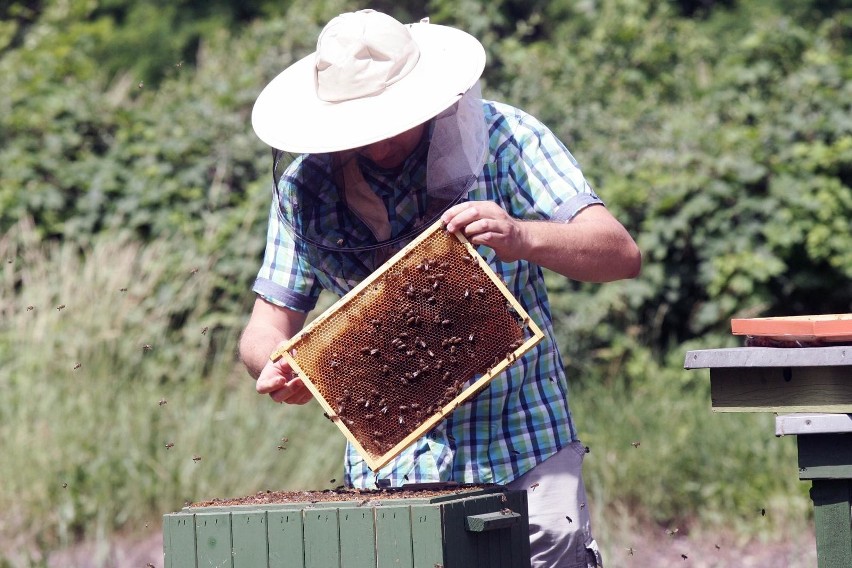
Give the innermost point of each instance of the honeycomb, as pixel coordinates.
(424, 333)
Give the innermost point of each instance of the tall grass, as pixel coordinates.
(110, 355)
(121, 399)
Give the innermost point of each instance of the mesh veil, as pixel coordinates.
(312, 188)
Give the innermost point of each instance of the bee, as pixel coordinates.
(30, 308)
(122, 290)
(466, 293)
(196, 459)
(77, 366)
(570, 520)
(533, 486)
(204, 330)
(147, 347)
(64, 486)
(671, 532)
(193, 272)
(506, 511)
(170, 445)
(684, 556)
(340, 242)
(480, 291)
(334, 364)
(60, 307)
(163, 402)
(630, 551)
(141, 84)
(446, 323)
(635, 444)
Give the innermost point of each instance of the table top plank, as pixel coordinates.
(833, 356)
(810, 423)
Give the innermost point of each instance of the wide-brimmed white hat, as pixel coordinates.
(369, 79)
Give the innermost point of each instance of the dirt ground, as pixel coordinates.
(647, 551)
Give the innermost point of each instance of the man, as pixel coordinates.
(392, 134)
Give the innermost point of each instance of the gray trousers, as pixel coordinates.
(560, 527)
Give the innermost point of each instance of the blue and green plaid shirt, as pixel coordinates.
(523, 417)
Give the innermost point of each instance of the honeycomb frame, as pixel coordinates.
(394, 356)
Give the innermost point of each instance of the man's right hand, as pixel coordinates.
(277, 380)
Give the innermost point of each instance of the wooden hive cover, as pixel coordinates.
(826, 327)
(395, 355)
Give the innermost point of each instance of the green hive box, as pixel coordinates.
(463, 528)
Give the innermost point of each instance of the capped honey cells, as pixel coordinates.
(421, 335)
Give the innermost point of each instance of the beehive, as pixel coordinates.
(423, 334)
(466, 527)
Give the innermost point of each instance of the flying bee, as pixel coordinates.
(147, 347)
(77, 366)
(60, 307)
(196, 459)
(122, 290)
(204, 330)
(194, 271)
(635, 444)
(533, 486)
(163, 402)
(170, 445)
(30, 308)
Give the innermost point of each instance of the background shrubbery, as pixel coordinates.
(719, 133)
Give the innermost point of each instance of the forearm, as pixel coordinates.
(268, 327)
(256, 345)
(582, 250)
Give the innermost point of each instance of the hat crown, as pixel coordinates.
(360, 54)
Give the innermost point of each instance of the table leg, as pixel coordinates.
(832, 500)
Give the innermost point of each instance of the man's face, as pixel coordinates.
(391, 152)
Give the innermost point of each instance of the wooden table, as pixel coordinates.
(811, 390)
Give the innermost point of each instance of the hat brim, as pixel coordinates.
(289, 116)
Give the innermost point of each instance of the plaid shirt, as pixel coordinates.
(522, 418)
